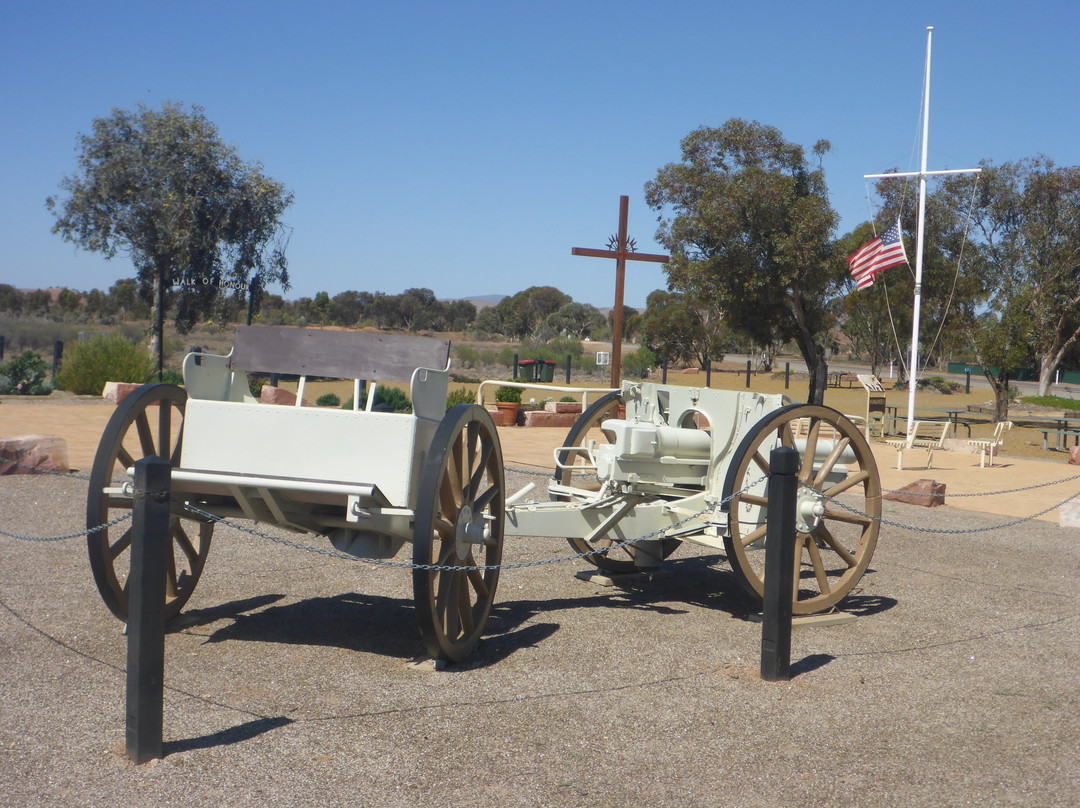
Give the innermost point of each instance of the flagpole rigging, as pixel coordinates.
(920, 233)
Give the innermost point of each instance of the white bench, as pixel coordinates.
(929, 435)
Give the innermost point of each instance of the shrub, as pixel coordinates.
(328, 400)
(467, 356)
(387, 399)
(506, 393)
(568, 400)
(462, 395)
(637, 364)
(172, 377)
(104, 358)
(26, 374)
(256, 384)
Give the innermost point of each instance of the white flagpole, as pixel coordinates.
(920, 234)
(913, 367)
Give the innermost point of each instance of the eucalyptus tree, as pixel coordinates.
(746, 217)
(162, 187)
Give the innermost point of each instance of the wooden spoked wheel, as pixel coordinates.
(835, 539)
(150, 421)
(575, 469)
(460, 516)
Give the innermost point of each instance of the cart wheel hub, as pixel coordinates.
(470, 529)
(808, 511)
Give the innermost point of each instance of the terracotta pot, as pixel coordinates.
(509, 410)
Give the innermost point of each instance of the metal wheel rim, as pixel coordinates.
(461, 482)
(621, 559)
(835, 552)
(109, 548)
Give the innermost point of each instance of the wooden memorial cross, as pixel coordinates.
(621, 249)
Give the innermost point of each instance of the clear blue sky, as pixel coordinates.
(467, 146)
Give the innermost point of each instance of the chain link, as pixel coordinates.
(80, 534)
(944, 531)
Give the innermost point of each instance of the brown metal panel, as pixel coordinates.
(336, 354)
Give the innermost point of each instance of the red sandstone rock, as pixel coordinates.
(543, 418)
(562, 406)
(33, 454)
(1074, 455)
(277, 395)
(115, 392)
(927, 493)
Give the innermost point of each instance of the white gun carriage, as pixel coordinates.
(644, 469)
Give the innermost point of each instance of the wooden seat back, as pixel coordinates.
(336, 354)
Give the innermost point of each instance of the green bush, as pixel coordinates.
(256, 384)
(25, 375)
(637, 364)
(328, 400)
(104, 358)
(462, 395)
(171, 376)
(507, 393)
(393, 398)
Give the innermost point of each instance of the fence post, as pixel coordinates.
(514, 377)
(967, 381)
(274, 380)
(779, 564)
(1, 347)
(150, 547)
(747, 374)
(57, 354)
(787, 374)
(197, 350)
(708, 372)
(569, 357)
(664, 365)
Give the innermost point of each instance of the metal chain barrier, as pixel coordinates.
(951, 531)
(67, 536)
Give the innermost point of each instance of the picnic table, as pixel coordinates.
(1060, 428)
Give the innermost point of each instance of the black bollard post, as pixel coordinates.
(779, 564)
(274, 380)
(747, 374)
(1, 347)
(197, 350)
(57, 355)
(787, 374)
(150, 547)
(663, 365)
(569, 358)
(708, 373)
(514, 377)
(967, 381)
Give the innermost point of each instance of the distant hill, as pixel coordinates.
(480, 301)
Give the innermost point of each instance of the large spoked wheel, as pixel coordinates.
(150, 421)
(575, 469)
(835, 539)
(459, 523)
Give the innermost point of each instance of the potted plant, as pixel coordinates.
(508, 401)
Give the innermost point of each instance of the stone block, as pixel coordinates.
(33, 454)
(496, 417)
(1069, 514)
(543, 418)
(562, 406)
(278, 395)
(115, 392)
(927, 493)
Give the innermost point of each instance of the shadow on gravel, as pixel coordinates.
(387, 626)
(225, 737)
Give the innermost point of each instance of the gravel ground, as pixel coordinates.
(289, 681)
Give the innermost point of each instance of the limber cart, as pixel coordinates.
(667, 463)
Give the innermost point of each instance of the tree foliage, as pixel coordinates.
(1026, 245)
(673, 328)
(161, 186)
(747, 221)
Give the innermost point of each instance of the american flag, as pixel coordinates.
(887, 250)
